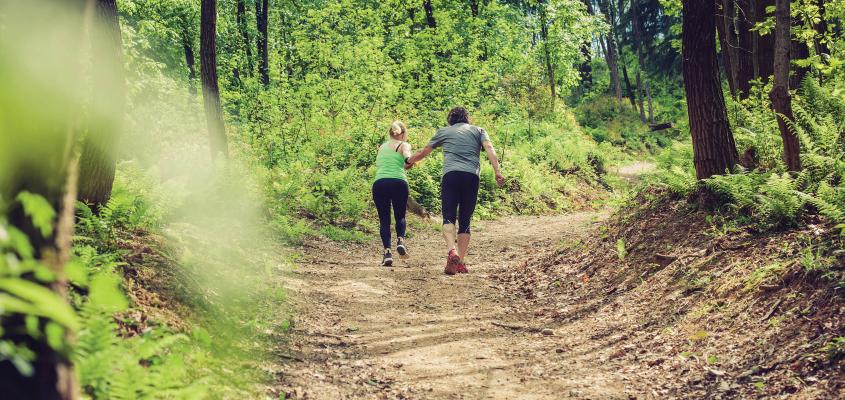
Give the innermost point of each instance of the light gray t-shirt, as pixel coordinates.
(461, 147)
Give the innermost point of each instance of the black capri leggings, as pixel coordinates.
(385, 192)
(458, 195)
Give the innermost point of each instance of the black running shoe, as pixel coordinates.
(401, 249)
(387, 261)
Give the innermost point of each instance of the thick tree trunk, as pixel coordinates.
(242, 28)
(781, 100)
(262, 16)
(98, 158)
(765, 49)
(714, 148)
(210, 88)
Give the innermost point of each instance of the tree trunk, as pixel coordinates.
(242, 27)
(210, 89)
(734, 24)
(820, 42)
(52, 176)
(98, 158)
(723, 29)
(640, 96)
(429, 14)
(638, 42)
(714, 148)
(650, 102)
(629, 89)
(585, 70)
(781, 100)
(190, 63)
(262, 15)
(798, 51)
(550, 71)
(611, 53)
(765, 54)
(37, 158)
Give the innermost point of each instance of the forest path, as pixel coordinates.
(409, 331)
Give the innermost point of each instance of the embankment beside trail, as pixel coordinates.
(697, 311)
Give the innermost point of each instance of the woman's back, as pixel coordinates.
(390, 162)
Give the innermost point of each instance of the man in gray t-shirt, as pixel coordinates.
(462, 143)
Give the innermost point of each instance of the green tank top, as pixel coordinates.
(390, 163)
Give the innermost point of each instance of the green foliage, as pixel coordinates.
(621, 252)
(23, 287)
(767, 196)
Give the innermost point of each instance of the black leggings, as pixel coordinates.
(458, 188)
(386, 191)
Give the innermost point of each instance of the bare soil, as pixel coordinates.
(366, 331)
(651, 303)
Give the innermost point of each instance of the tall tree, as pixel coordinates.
(616, 19)
(210, 89)
(97, 161)
(242, 28)
(547, 56)
(262, 14)
(714, 149)
(764, 45)
(734, 24)
(190, 62)
(37, 185)
(611, 54)
(585, 70)
(781, 100)
(638, 44)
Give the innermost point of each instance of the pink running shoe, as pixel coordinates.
(452, 262)
(462, 268)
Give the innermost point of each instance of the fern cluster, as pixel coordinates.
(766, 195)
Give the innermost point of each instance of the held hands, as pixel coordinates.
(408, 163)
(500, 179)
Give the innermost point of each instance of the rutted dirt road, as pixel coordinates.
(366, 331)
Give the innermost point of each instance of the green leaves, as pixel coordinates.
(26, 297)
(41, 212)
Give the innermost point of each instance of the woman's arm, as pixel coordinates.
(494, 161)
(405, 149)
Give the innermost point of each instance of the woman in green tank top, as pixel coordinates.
(390, 188)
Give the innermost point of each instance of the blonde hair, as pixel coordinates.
(396, 128)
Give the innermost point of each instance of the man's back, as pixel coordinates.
(461, 144)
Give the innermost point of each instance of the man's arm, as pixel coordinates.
(419, 156)
(494, 161)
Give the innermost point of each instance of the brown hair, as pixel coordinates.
(458, 115)
(396, 128)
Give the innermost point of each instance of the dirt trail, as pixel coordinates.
(365, 331)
